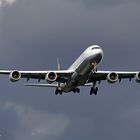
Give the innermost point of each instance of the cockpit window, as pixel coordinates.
(95, 48)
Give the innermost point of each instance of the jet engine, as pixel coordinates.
(51, 77)
(138, 77)
(15, 76)
(112, 77)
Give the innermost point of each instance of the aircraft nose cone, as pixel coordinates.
(101, 52)
(99, 57)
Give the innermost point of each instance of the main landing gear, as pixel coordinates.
(76, 90)
(58, 91)
(94, 89)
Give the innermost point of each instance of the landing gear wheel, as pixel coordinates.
(58, 92)
(76, 90)
(91, 92)
(96, 69)
(94, 90)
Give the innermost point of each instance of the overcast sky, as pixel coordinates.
(33, 34)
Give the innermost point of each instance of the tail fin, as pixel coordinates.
(58, 64)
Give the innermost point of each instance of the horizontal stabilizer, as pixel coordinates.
(41, 85)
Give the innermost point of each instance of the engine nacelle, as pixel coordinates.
(51, 77)
(15, 76)
(112, 77)
(138, 77)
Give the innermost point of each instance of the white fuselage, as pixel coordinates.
(82, 67)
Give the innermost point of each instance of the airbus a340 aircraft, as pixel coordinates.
(83, 72)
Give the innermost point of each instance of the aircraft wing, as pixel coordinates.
(62, 75)
(102, 75)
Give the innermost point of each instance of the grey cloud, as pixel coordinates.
(127, 124)
(44, 26)
(35, 124)
(105, 3)
(7, 2)
(39, 21)
(8, 122)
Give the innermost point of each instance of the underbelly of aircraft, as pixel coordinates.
(81, 75)
(77, 80)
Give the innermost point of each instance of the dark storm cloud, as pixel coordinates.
(100, 3)
(21, 122)
(106, 3)
(48, 24)
(46, 21)
(34, 33)
(7, 126)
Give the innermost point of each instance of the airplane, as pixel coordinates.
(83, 72)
